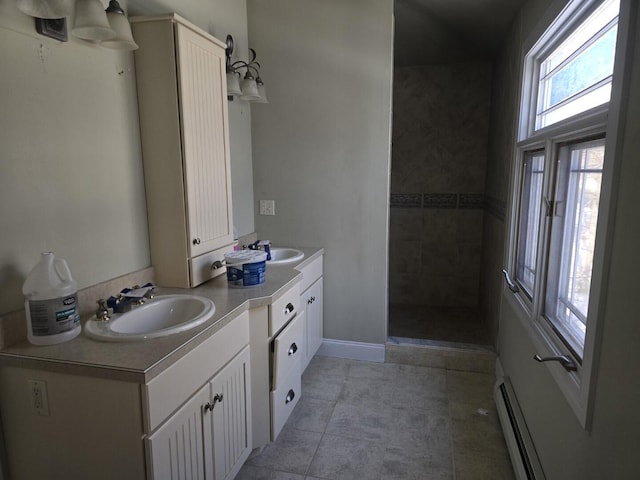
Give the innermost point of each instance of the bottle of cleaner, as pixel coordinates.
(51, 302)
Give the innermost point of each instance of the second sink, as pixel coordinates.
(284, 255)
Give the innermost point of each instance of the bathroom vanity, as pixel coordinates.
(194, 403)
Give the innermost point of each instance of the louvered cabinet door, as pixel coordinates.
(176, 449)
(205, 136)
(230, 422)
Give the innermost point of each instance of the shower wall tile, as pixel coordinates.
(439, 161)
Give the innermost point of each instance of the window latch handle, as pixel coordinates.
(512, 286)
(566, 361)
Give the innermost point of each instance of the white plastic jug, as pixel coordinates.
(51, 302)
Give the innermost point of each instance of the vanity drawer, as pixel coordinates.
(283, 401)
(284, 309)
(288, 350)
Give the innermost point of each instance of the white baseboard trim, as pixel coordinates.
(372, 352)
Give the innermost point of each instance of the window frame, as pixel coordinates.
(605, 120)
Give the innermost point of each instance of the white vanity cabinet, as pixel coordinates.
(209, 436)
(311, 301)
(182, 101)
(192, 420)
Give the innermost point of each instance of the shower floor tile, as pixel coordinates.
(445, 324)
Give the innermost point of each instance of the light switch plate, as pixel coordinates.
(267, 207)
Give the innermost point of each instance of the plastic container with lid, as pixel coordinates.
(246, 268)
(51, 302)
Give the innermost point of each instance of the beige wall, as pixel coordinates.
(321, 146)
(70, 162)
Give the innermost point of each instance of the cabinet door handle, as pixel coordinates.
(311, 300)
(196, 241)
(290, 396)
(288, 309)
(293, 348)
(209, 405)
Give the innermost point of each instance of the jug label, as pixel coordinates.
(56, 315)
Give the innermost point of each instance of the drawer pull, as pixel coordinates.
(288, 309)
(217, 264)
(293, 349)
(196, 241)
(290, 396)
(209, 406)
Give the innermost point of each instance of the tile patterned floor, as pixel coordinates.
(361, 420)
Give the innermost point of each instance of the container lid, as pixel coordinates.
(245, 256)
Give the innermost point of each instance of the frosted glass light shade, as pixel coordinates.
(233, 84)
(249, 90)
(124, 38)
(91, 21)
(45, 8)
(263, 94)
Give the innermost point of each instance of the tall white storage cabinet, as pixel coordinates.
(182, 98)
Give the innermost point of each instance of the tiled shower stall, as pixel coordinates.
(439, 157)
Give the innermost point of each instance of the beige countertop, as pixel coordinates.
(143, 360)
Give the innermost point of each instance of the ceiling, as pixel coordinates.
(430, 32)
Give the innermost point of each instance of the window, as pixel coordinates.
(562, 163)
(573, 235)
(576, 75)
(530, 206)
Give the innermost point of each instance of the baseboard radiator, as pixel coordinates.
(524, 459)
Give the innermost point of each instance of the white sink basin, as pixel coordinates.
(161, 316)
(284, 255)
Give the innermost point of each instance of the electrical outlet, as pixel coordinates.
(38, 396)
(267, 207)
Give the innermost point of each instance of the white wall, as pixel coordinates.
(610, 448)
(70, 160)
(321, 146)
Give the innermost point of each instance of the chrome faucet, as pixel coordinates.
(129, 298)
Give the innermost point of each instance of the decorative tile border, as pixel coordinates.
(471, 200)
(439, 200)
(406, 200)
(463, 201)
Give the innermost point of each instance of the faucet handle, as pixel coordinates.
(102, 312)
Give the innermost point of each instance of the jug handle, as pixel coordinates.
(62, 269)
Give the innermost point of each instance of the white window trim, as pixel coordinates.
(578, 387)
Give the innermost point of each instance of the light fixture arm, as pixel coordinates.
(252, 68)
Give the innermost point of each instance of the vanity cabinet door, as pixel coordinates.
(177, 449)
(202, 84)
(313, 304)
(209, 437)
(229, 418)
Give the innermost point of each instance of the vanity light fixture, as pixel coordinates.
(110, 27)
(91, 21)
(251, 88)
(45, 8)
(119, 24)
